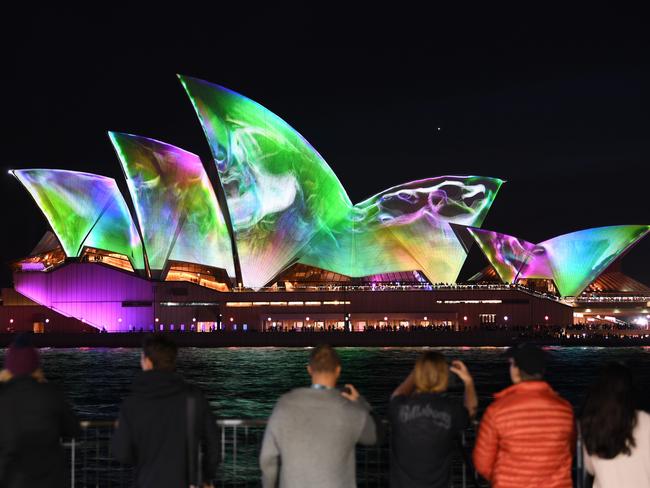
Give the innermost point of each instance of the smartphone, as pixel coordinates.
(346, 389)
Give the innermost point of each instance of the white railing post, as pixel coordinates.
(72, 462)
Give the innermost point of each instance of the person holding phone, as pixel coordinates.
(425, 422)
(311, 435)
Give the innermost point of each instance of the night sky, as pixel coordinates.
(548, 101)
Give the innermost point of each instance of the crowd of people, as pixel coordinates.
(526, 436)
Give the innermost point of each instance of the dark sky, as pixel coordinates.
(550, 101)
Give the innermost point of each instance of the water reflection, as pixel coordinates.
(245, 382)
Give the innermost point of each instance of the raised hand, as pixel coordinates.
(352, 394)
(459, 369)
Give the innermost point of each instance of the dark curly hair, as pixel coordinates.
(609, 413)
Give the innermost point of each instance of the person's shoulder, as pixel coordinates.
(564, 404)
(194, 390)
(299, 392)
(643, 419)
(560, 402)
(504, 402)
(47, 388)
(293, 401)
(454, 404)
(129, 402)
(398, 399)
(292, 396)
(445, 398)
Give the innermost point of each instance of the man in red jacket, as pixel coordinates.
(526, 436)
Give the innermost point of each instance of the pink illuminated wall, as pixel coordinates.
(92, 293)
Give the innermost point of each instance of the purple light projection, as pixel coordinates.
(92, 293)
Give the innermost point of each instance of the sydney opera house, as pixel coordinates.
(265, 237)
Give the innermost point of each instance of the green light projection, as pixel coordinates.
(511, 257)
(84, 209)
(572, 260)
(405, 228)
(579, 257)
(179, 215)
(280, 191)
(285, 203)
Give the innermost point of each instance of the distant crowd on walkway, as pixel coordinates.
(546, 331)
(166, 429)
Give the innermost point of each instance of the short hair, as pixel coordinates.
(431, 373)
(161, 351)
(530, 359)
(324, 359)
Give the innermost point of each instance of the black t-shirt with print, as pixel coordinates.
(424, 428)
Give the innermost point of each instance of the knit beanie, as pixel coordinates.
(22, 359)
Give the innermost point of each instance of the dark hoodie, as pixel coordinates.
(34, 416)
(152, 431)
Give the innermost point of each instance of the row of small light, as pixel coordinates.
(232, 319)
(11, 321)
(505, 317)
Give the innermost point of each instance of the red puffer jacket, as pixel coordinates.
(526, 438)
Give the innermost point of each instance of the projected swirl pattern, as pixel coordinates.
(406, 228)
(84, 210)
(572, 260)
(279, 190)
(511, 257)
(286, 203)
(176, 206)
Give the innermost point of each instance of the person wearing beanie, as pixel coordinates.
(34, 416)
(21, 359)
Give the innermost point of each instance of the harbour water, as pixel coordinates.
(246, 382)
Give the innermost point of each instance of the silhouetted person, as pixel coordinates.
(425, 423)
(34, 416)
(526, 436)
(164, 422)
(615, 432)
(311, 435)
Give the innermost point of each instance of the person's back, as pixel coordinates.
(625, 469)
(34, 417)
(526, 435)
(425, 423)
(311, 435)
(615, 434)
(152, 430)
(317, 431)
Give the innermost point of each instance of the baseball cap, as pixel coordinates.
(529, 358)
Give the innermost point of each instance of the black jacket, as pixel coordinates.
(152, 431)
(33, 418)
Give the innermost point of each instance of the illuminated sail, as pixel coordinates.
(571, 260)
(176, 206)
(84, 210)
(280, 192)
(405, 228)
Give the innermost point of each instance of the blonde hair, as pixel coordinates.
(431, 373)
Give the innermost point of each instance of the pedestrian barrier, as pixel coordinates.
(91, 463)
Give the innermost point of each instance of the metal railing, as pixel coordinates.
(91, 463)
